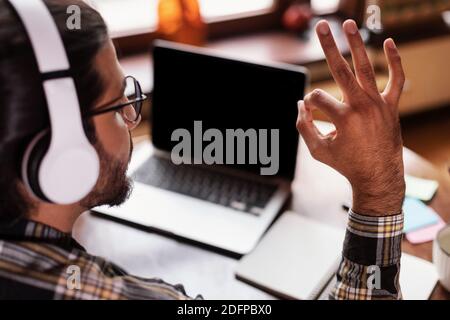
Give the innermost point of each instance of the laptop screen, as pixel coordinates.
(251, 109)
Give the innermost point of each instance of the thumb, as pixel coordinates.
(309, 132)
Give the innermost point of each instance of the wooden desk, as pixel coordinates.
(318, 192)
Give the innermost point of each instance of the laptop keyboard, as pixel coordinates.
(234, 192)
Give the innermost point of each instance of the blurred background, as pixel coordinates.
(282, 30)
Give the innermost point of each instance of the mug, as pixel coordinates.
(441, 256)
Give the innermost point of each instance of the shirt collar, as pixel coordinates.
(28, 230)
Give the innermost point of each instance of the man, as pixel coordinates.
(36, 248)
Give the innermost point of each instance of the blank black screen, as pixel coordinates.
(225, 94)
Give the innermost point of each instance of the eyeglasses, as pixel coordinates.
(131, 110)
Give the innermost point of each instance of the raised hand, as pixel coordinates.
(366, 146)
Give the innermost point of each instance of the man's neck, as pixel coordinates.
(59, 217)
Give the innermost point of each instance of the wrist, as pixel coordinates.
(389, 202)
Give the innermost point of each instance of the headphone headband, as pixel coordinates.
(44, 35)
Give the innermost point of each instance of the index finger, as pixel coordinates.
(339, 68)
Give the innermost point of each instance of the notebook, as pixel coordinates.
(298, 258)
(295, 259)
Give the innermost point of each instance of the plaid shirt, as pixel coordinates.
(39, 262)
(370, 265)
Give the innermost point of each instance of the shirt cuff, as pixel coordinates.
(372, 240)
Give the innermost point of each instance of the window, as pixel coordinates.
(221, 9)
(324, 6)
(125, 17)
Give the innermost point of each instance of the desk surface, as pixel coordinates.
(318, 192)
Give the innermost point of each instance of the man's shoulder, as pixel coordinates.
(46, 271)
(50, 271)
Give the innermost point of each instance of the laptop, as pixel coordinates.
(222, 155)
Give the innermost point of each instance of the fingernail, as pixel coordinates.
(304, 114)
(350, 27)
(300, 105)
(301, 109)
(391, 44)
(323, 28)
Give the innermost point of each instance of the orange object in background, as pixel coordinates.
(297, 17)
(181, 21)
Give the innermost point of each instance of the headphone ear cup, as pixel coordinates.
(34, 154)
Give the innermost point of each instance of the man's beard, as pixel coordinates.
(113, 186)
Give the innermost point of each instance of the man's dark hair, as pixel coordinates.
(23, 107)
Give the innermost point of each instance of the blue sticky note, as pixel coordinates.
(417, 215)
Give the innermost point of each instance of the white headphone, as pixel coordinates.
(65, 170)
